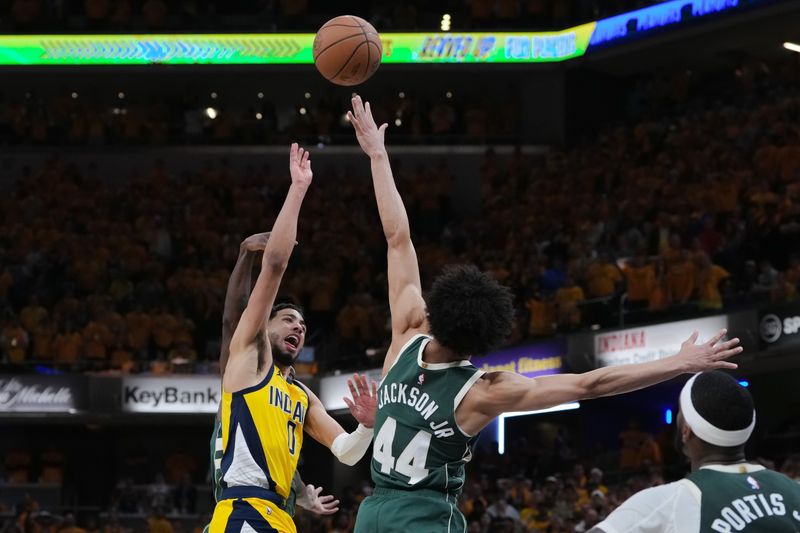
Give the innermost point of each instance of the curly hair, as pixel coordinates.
(468, 311)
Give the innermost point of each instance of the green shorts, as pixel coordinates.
(403, 511)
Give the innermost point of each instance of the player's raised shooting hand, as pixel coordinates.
(255, 243)
(365, 400)
(369, 135)
(321, 505)
(710, 355)
(300, 166)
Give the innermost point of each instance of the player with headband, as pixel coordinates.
(724, 493)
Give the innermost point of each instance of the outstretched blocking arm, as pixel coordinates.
(349, 448)
(503, 392)
(238, 291)
(273, 264)
(405, 289)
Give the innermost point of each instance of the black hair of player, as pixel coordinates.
(282, 306)
(469, 312)
(719, 399)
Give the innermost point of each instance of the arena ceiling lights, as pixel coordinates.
(402, 48)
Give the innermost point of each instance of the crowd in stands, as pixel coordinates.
(683, 213)
(121, 16)
(103, 118)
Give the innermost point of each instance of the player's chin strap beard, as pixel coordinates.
(707, 431)
(281, 357)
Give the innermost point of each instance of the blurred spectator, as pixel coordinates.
(709, 278)
(631, 443)
(158, 523)
(640, 276)
(159, 495)
(567, 299)
(185, 496)
(500, 511)
(69, 525)
(15, 341)
(21, 522)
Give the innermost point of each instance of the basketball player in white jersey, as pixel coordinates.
(724, 492)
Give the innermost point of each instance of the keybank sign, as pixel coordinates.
(171, 394)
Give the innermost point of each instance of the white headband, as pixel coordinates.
(704, 429)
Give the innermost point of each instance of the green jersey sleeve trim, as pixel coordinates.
(460, 396)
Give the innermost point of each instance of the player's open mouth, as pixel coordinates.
(291, 342)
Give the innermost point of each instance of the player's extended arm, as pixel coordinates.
(238, 291)
(308, 497)
(276, 257)
(349, 448)
(507, 391)
(405, 289)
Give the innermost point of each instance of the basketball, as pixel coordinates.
(347, 50)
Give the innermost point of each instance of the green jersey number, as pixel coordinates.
(411, 462)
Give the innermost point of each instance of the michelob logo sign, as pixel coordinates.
(33, 394)
(190, 394)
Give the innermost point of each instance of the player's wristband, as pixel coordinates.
(349, 448)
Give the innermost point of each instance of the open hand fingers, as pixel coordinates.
(330, 508)
(352, 387)
(692, 338)
(725, 354)
(358, 106)
(727, 345)
(716, 338)
(349, 403)
(362, 384)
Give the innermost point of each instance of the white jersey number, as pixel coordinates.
(411, 462)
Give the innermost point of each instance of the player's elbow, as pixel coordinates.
(398, 238)
(275, 262)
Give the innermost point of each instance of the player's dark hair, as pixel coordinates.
(719, 399)
(468, 311)
(286, 305)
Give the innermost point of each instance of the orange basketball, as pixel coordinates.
(347, 50)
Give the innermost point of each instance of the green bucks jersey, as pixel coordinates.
(753, 502)
(418, 444)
